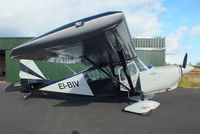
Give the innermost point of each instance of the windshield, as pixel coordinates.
(140, 65)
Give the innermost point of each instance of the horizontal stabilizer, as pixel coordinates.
(142, 107)
(12, 87)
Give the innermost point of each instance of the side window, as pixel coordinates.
(132, 69)
(94, 74)
(122, 74)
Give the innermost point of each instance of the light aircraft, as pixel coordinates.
(104, 42)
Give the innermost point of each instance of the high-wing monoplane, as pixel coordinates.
(103, 42)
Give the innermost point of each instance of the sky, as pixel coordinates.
(177, 20)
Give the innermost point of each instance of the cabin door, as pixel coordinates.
(134, 72)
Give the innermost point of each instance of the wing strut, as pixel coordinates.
(126, 71)
(108, 74)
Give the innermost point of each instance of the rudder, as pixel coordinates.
(30, 75)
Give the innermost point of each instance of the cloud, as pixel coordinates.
(144, 23)
(195, 30)
(173, 45)
(31, 18)
(174, 59)
(173, 41)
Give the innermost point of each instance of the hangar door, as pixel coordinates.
(2, 65)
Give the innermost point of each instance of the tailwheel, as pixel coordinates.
(26, 96)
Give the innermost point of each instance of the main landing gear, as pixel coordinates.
(33, 93)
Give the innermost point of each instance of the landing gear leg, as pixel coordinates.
(142, 96)
(25, 97)
(30, 92)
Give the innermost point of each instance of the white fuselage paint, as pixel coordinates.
(73, 85)
(156, 79)
(159, 79)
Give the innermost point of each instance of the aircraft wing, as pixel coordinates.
(98, 38)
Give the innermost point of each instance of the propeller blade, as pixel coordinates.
(183, 65)
(184, 61)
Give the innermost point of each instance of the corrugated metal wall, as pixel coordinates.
(8, 43)
(12, 68)
(12, 65)
(153, 42)
(155, 57)
(151, 49)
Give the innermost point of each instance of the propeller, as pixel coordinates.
(183, 65)
(184, 61)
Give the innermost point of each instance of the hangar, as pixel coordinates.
(152, 49)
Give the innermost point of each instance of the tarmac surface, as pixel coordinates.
(179, 113)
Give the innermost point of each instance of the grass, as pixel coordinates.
(191, 80)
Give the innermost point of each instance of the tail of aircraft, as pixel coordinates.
(30, 75)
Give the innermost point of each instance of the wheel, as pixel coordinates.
(26, 96)
(32, 86)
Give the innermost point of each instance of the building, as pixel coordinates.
(9, 68)
(151, 49)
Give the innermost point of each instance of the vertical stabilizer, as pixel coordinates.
(29, 70)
